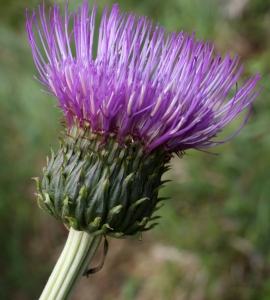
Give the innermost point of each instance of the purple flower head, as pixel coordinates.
(163, 91)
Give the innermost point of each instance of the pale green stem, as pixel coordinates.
(73, 261)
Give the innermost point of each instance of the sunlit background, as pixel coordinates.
(213, 241)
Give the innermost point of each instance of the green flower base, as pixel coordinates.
(97, 185)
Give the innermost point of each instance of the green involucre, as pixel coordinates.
(98, 186)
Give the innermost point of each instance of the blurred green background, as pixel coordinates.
(213, 241)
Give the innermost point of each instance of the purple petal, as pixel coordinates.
(163, 91)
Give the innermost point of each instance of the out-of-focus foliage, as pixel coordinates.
(213, 241)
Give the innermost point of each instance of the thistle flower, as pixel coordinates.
(142, 98)
(169, 92)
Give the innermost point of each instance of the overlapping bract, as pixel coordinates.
(163, 91)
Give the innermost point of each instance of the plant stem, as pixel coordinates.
(73, 261)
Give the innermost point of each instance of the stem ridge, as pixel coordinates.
(71, 265)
